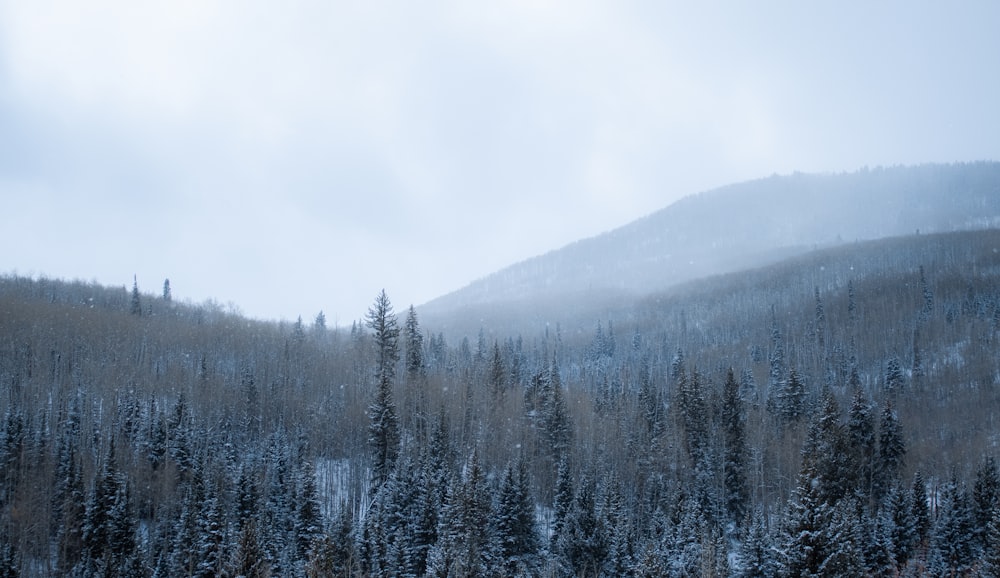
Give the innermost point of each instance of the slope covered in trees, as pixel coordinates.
(730, 229)
(834, 414)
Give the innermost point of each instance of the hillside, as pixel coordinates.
(297, 449)
(730, 229)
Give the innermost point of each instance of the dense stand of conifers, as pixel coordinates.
(834, 416)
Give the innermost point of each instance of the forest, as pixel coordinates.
(832, 414)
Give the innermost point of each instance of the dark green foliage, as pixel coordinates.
(921, 514)
(861, 443)
(985, 499)
(953, 540)
(240, 448)
(583, 540)
(135, 305)
(891, 452)
(756, 553)
(383, 430)
(737, 492)
(515, 546)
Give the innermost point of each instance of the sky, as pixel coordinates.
(283, 158)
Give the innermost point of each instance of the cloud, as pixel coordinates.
(303, 156)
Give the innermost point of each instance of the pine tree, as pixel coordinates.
(515, 544)
(619, 526)
(414, 343)
(921, 514)
(383, 431)
(461, 549)
(776, 361)
(843, 554)
(928, 306)
(830, 450)
(135, 306)
(756, 550)
(308, 518)
(891, 451)
(9, 562)
(953, 541)
(791, 398)
(898, 508)
(248, 558)
(583, 543)
(986, 499)
(734, 467)
(894, 376)
(556, 427)
(563, 503)
(497, 374)
(861, 443)
(991, 554)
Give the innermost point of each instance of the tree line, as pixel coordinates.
(829, 424)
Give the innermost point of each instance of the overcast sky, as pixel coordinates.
(297, 156)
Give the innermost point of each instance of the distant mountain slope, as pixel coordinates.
(742, 226)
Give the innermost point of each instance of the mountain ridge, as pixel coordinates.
(744, 225)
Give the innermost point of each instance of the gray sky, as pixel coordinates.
(295, 156)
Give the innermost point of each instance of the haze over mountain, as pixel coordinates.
(734, 228)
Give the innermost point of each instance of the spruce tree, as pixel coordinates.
(135, 305)
(891, 451)
(515, 544)
(756, 558)
(583, 544)
(861, 443)
(383, 430)
(737, 493)
(986, 499)
(953, 541)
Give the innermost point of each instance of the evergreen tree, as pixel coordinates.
(899, 509)
(737, 490)
(135, 305)
(756, 550)
(497, 374)
(308, 518)
(563, 504)
(618, 523)
(383, 431)
(514, 542)
(9, 563)
(827, 445)
(893, 376)
(986, 499)
(920, 514)
(928, 305)
(461, 549)
(791, 398)
(248, 558)
(843, 553)
(861, 443)
(891, 451)
(414, 344)
(953, 540)
(583, 543)
(556, 427)
(319, 326)
(167, 296)
(776, 360)
(991, 555)
(332, 555)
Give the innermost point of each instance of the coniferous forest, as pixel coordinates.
(834, 414)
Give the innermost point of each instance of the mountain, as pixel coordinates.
(836, 390)
(729, 229)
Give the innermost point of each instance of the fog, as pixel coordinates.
(300, 158)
